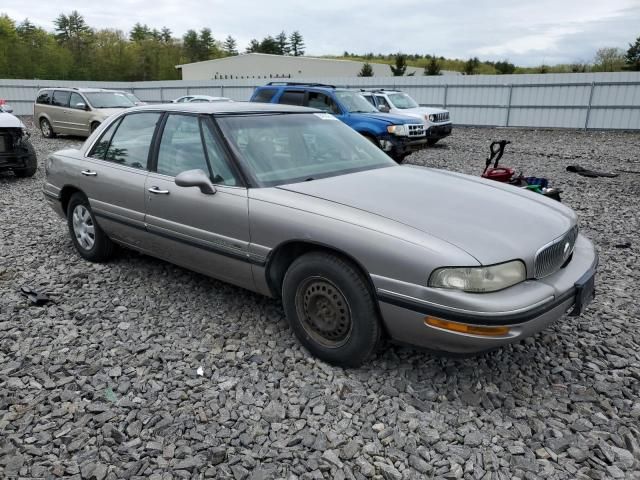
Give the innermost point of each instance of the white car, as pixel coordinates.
(436, 120)
(200, 99)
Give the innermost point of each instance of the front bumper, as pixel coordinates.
(406, 145)
(525, 309)
(439, 131)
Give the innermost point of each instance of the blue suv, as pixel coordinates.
(398, 135)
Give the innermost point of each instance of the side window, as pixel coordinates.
(370, 99)
(292, 97)
(265, 95)
(181, 146)
(199, 100)
(44, 97)
(382, 101)
(222, 173)
(184, 99)
(75, 100)
(60, 98)
(323, 102)
(100, 147)
(131, 140)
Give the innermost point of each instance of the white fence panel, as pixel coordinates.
(572, 100)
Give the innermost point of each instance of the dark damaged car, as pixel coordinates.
(16, 152)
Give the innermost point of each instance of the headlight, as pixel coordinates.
(479, 279)
(400, 130)
(432, 118)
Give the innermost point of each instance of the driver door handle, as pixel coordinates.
(89, 173)
(157, 191)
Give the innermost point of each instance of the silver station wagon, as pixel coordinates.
(291, 203)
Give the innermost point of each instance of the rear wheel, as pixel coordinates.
(87, 236)
(31, 164)
(46, 129)
(331, 309)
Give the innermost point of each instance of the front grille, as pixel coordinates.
(441, 117)
(551, 258)
(416, 130)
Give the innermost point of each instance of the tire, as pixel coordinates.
(399, 158)
(432, 141)
(46, 129)
(94, 245)
(94, 125)
(331, 309)
(32, 163)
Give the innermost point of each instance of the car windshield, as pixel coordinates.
(354, 102)
(288, 148)
(132, 97)
(109, 100)
(402, 101)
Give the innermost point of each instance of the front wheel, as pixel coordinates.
(87, 236)
(31, 164)
(432, 141)
(331, 309)
(94, 125)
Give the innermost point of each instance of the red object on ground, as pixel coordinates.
(499, 174)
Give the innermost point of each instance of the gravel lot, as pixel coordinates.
(103, 383)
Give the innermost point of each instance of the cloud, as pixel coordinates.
(523, 31)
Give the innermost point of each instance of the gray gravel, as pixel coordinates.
(104, 382)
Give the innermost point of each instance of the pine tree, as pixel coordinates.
(229, 46)
(165, 35)
(366, 70)
(297, 44)
(139, 33)
(433, 67)
(283, 43)
(254, 46)
(471, 66)
(632, 58)
(400, 67)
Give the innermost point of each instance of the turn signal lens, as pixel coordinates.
(499, 331)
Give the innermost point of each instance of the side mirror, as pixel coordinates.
(80, 106)
(383, 108)
(195, 178)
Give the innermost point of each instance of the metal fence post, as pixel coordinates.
(161, 95)
(586, 120)
(188, 90)
(506, 123)
(222, 90)
(446, 89)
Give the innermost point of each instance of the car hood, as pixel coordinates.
(420, 112)
(107, 112)
(491, 221)
(9, 121)
(391, 119)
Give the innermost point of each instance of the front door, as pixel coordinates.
(78, 116)
(113, 177)
(208, 233)
(59, 113)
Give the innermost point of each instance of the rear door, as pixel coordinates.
(113, 176)
(59, 111)
(208, 233)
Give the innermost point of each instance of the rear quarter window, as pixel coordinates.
(60, 98)
(44, 97)
(292, 97)
(265, 95)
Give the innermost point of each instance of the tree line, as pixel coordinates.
(76, 51)
(608, 59)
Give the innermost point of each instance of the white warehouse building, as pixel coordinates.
(261, 65)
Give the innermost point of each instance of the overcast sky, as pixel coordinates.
(527, 32)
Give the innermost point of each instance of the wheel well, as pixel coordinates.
(283, 256)
(65, 196)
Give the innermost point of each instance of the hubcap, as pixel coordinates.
(83, 227)
(324, 312)
(45, 128)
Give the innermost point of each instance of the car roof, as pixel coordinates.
(224, 107)
(81, 89)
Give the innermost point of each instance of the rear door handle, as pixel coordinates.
(157, 191)
(89, 173)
